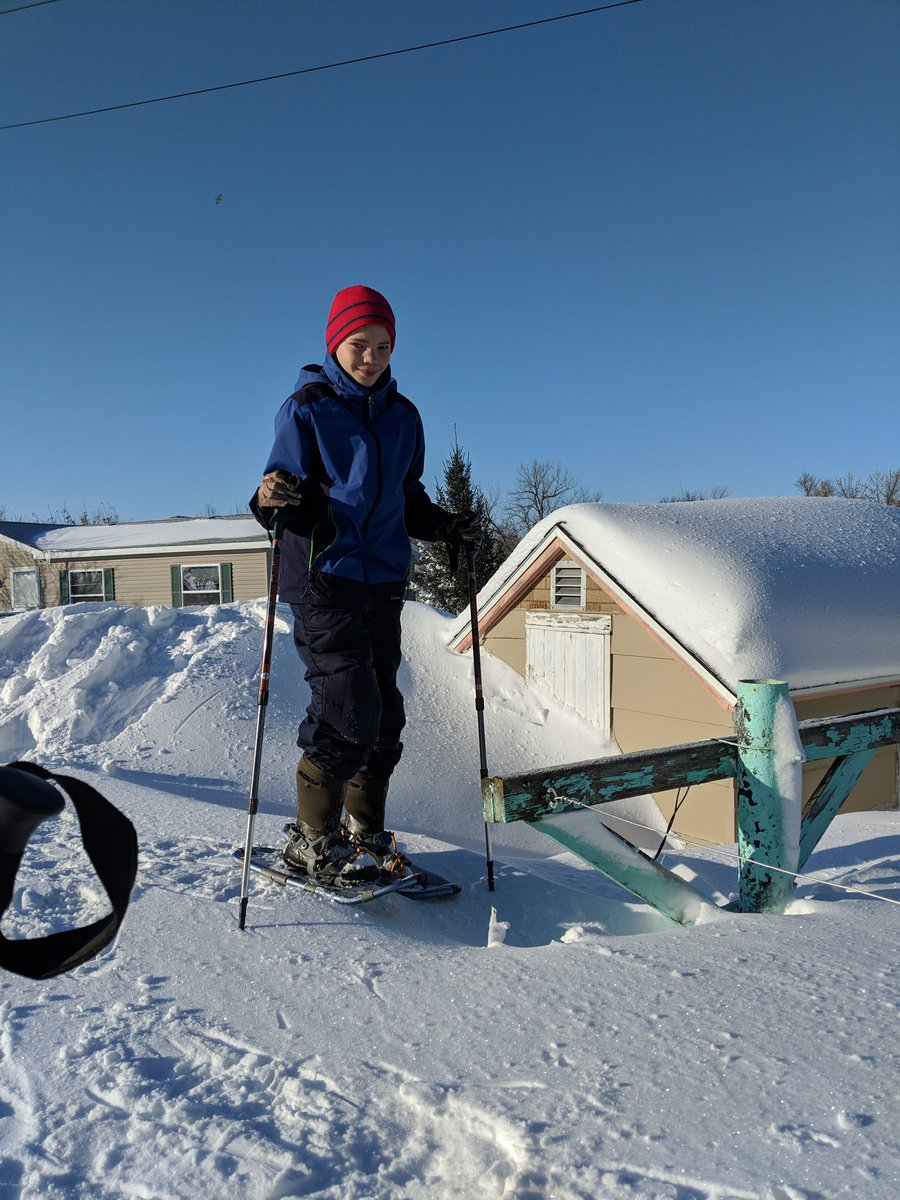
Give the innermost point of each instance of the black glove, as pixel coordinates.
(458, 529)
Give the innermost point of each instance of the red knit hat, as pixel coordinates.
(354, 307)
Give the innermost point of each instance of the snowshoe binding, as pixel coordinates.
(329, 858)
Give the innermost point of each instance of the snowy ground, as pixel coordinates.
(551, 1039)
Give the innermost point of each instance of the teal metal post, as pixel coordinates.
(767, 828)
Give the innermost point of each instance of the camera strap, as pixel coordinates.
(27, 797)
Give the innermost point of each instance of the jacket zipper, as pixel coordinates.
(379, 482)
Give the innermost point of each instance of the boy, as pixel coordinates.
(345, 472)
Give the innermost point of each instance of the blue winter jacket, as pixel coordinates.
(359, 454)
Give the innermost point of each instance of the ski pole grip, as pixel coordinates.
(25, 801)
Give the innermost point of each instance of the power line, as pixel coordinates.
(21, 7)
(346, 62)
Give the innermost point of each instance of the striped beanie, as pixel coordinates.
(354, 307)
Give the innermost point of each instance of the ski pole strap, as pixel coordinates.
(27, 797)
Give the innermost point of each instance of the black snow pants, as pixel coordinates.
(347, 635)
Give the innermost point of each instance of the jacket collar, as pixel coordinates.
(349, 389)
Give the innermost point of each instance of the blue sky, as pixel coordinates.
(660, 243)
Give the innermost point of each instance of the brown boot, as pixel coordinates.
(316, 844)
(365, 800)
(319, 796)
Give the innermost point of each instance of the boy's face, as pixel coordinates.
(365, 353)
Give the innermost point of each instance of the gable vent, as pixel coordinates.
(567, 585)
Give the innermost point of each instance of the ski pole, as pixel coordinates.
(479, 698)
(262, 701)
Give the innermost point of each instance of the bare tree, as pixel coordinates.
(851, 488)
(885, 486)
(540, 487)
(104, 514)
(882, 487)
(715, 493)
(811, 485)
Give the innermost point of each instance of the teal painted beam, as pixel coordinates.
(530, 795)
(619, 861)
(834, 737)
(535, 794)
(825, 803)
(764, 719)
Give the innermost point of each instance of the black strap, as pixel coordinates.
(26, 798)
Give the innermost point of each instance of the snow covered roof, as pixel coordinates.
(62, 540)
(803, 589)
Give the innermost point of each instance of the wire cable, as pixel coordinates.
(679, 800)
(332, 66)
(4, 12)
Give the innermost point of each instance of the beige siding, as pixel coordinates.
(251, 574)
(657, 701)
(660, 684)
(507, 640)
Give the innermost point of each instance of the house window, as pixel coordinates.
(85, 585)
(98, 583)
(567, 585)
(200, 585)
(25, 586)
(207, 583)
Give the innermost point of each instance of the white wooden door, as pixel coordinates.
(569, 654)
(26, 587)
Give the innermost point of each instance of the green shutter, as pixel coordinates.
(177, 597)
(64, 587)
(109, 583)
(225, 583)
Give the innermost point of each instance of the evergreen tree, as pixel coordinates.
(435, 583)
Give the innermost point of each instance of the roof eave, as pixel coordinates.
(844, 687)
(32, 550)
(260, 543)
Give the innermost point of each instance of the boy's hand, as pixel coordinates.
(460, 528)
(278, 489)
